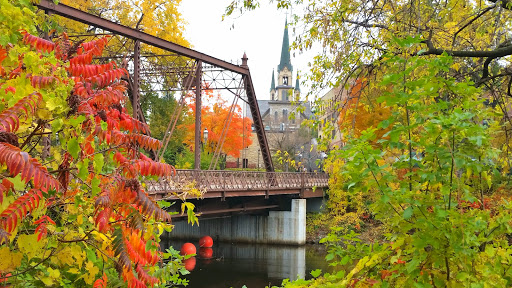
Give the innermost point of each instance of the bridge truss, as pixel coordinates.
(167, 67)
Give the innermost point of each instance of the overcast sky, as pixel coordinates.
(259, 33)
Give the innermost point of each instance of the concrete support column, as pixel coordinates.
(279, 227)
(288, 227)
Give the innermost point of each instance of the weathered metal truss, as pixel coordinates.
(222, 184)
(162, 66)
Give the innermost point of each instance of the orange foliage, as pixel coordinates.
(356, 115)
(213, 118)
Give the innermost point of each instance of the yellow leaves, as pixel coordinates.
(9, 260)
(92, 271)
(70, 255)
(53, 275)
(29, 245)
(456, 66)
(450, 25)
(105, 245)
(80, 219)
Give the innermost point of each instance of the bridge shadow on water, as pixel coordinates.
(253, 265)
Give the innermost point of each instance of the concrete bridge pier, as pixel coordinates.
(278, 227)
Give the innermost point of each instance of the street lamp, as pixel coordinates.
(205, 137)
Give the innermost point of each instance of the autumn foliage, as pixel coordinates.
(214, 116)
(357, 114)
(87, 195)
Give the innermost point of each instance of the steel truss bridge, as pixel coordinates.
(162, 66)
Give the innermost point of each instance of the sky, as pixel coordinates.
(258, 33)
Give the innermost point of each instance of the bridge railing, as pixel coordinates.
(238, 181)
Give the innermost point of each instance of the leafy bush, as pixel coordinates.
(434, 183)
(74, 213)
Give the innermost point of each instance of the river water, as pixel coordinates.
(252, 265)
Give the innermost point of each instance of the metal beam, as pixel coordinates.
(84, 17)
(256, 116)
(136, 73)
(197, 134)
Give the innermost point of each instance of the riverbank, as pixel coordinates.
(318, 225)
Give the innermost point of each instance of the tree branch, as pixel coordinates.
(365, 24)
(471, 21)
(496, 53)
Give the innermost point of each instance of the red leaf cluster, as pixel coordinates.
(144, 166)
(132, 249)
(88, 70)
(41, 228)
(101, 282)
(94, 47)
(37, 43)
(143, 141)
(9, 121)
(5, 186)
(42, 81)
(19, 162)
(107, 77)
(19, 208)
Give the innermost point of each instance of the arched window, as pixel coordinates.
(285, 80)
(276, 116)
(285, 115)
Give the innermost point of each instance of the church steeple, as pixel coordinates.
(285, 51)
(273, 84)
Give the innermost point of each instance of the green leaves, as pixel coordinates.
(73, 147)
(425, 180)
(316, 273)
(407, 213)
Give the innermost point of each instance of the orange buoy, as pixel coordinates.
(206, 241)
(205, 253)
(190, 263)
(187, 249)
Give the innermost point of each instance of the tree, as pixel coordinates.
(216, 118)
(288, 146)
(79, 216)
(436, 178)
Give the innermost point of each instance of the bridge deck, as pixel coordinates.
(239, 183)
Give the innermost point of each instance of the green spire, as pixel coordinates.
(285, 51)
(273, 85)
(297, 89)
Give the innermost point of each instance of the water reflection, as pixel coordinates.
(235, 265)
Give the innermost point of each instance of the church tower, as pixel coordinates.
(284, 89)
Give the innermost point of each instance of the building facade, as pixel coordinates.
(327, 112)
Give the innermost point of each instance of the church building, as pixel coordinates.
(282, 115)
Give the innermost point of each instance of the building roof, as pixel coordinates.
(264, 106)
(285, 51)
(273, 84)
